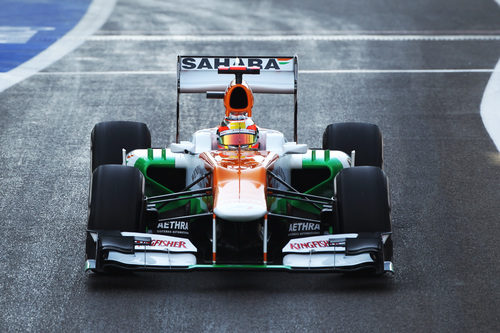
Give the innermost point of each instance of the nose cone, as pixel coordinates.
(240, 211)
(240, 190)
(240, 206)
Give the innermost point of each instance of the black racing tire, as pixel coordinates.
(363, 204)
(364, 138)
(116, 201)
(109, 138)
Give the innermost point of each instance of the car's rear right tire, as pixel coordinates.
(365, 139)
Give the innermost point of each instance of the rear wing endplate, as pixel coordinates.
(198, 74)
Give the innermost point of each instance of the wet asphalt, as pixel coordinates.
(443, 168)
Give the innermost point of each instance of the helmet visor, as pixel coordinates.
(238, 139)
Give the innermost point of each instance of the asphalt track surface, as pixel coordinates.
(443, 167)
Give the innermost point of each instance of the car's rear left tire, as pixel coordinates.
(110, 137)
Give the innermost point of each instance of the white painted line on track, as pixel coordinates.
(19, 35)
(490, 106)
(394, 71)
(97, 13)
(305, 71)
(110, 73)
(208, 32)
(280, 38)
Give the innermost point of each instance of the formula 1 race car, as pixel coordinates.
(238, 196)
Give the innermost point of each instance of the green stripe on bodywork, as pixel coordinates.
(325, 188)
(155, 188)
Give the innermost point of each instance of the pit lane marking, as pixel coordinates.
(19, 35)
(395, 71)
(278, 38)
(208, 32)
(490, 106)
(97, 13)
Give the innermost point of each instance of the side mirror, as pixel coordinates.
(183, 147)
(294, 148)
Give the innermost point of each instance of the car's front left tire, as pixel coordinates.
(116, 201)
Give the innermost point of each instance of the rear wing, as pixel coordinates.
(198, 74)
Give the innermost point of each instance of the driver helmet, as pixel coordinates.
(237, 130)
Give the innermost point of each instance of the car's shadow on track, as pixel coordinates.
(239, 281)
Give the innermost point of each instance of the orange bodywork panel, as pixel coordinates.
(239, 183)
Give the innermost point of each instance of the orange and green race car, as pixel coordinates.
(238, 196)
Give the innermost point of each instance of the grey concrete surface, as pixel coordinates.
(443, 168)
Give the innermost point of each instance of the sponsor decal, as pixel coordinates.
(142, 241)
(237, 131)
(173, 227)
(323, 243)
(284, 61)
(336, 242)
(303, 226)
(310, 245)
(317, 244)
(214, 63)
(237, 124)
(167, 243)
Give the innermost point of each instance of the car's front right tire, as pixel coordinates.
(363, 204)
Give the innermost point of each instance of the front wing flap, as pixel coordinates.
(327, 253)
(340, 252)
(140, 251)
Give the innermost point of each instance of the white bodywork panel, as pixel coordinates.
(163, 243)
(159, 259)
(325, 260)
(181, 160)
(205, 140)
(234, 210)
(163, 251)
(325, 251)
(199, 74)
(323, 243)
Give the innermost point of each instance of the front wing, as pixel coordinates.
(327, 253)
